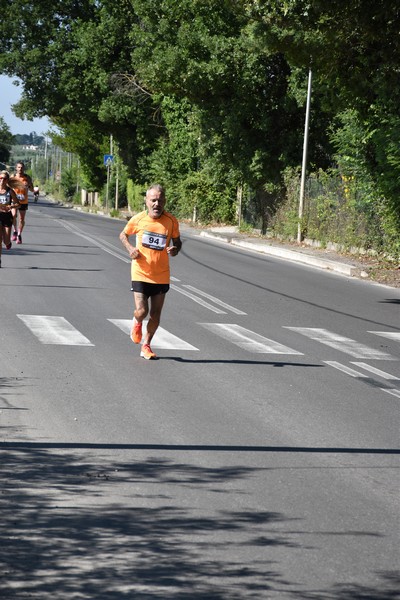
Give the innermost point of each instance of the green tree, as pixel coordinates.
(66, 54)
(208, 55)
(209, 96)
(6, 141)
(354, 51)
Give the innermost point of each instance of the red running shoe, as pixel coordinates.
(147, 353)
(136, 332)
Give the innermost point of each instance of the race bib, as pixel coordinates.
(155, 241)
(21, 196)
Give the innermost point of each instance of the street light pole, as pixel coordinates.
(109, 172)
(108, 184)
(304, 165)
(116, 185)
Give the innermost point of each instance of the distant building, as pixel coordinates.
(30, 147)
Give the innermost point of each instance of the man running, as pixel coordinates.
(21, 182)
(154, 230)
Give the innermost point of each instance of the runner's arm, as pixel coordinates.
(132, 251)
(176, 246)
(14, 200)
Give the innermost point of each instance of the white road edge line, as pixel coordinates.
(342, 343)
(111, 250)
(215, 300)
(345, 369)
(376, 371)
(357, 375)
(390, 335)
(198, 300)
(391, 391)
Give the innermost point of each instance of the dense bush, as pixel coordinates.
(337, 209)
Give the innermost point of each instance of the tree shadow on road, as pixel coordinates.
(81, 523)
(387, 588)
(63, 537)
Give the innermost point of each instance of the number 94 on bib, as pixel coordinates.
(155, 241)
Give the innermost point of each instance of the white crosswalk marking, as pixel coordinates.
(58, 331)
(162, 338)
(248, 340)
(342, 343)
(54, 330)
(376, 371)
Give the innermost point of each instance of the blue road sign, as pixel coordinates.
(108, 159)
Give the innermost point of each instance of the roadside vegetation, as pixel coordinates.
(209, 99)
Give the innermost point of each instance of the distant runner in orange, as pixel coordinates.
(21, 183)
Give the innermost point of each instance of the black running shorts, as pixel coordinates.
(6, 219)
(149, 289)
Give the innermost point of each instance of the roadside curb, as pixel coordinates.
(284, 253)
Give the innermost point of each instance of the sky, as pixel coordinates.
(10, 94)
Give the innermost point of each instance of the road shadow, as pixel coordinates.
(29, 446)
(83, 525)
(269, 363)
(387, 588)
(155, 521)
(62, 538)
(390, 301)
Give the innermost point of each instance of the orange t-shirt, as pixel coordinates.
(21, 186)
(153, 237)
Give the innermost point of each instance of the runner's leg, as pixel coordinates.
(141, 306)
(156, 305)
(6, 236)
(22, 214)
(14, 212)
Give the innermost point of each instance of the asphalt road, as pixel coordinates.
(257, 458)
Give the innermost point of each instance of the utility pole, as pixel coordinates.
(116, 185)
(304, 165)
(46, 158)
(109, 162)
